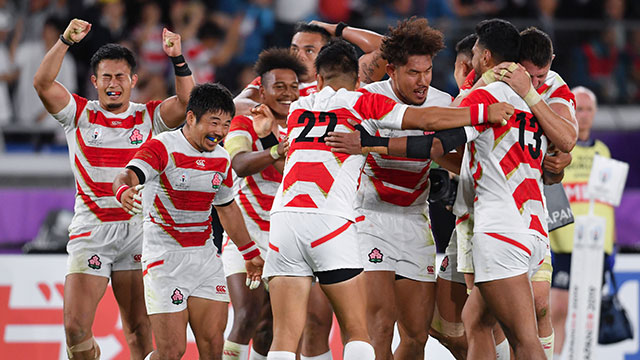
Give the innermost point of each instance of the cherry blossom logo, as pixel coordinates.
(177, 298)
(94, 262)
(445, 263)
(136, 137)
(217, 180)
(375, 256)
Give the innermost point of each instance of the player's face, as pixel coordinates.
(538, 74)
(462, 68)
(114, 82)
(278, 90)
(585, 112)
(478, 58)
(411, 81)
(307, 46)
(210, 129)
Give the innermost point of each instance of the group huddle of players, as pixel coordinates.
(324, 176)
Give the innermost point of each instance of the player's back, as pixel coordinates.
(315, 179)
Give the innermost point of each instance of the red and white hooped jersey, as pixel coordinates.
(555, 90)
(255, 193)
(508, 167)
(305, 89)
(181, 185)
(100, 146)
(315, 179)
(396, 184)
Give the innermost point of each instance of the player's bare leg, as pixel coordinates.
(541, 290)
(478, 325)
(414, 313)
(515, 313)
(289, 299)
(208, 319)
(170, 333)
(315, 337)
(450, 299)
(559, 310)
(247, 309)
(128, 290)
(82, 293)
(381, 310)
(348, 300)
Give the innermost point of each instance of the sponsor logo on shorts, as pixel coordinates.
(221, 289)
(375, 256)
(137, 257)
(136, 137)
(94, 262)
(177, 298)
(217, 180)
(445, 263)
(431, 270)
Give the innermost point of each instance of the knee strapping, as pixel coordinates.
(444, 327)
(86, 345)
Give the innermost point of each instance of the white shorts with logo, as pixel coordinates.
(231, 256)
(503, 255)
(101, 249)
(464, 235)
(402, 243)
(303, 243)
(449, 265)
(170, 279)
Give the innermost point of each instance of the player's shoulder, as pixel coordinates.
(438, 97)
(379, 87)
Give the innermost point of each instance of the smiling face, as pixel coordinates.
(278, 90)
(306, 46)
(114, 83)
(411, 81)
(206, 133)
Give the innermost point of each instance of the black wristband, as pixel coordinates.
(138, 172)
(182, 70)
(269, 141)
(419, 147)
(177, 59)
(369, 141)
(451, 138)
(340, 28)
(65, 41)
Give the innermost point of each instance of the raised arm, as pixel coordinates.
(441, 118)
(173, 109)
(54, 95)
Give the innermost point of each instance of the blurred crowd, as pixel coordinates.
(597, 42)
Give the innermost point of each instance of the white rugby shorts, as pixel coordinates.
(101, 249)
(449, 266)
(402, 243)
(231, 256)
(170, 279)
(303, 243)
(464, 235)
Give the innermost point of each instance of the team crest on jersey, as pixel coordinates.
(217, 180)
(445, 263)
(94, 262)
(177, 298)
(136, 137)
(375, 256)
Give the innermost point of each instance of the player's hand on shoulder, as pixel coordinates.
(500, 113)
(346, 142)
(515, 75)
(264, 121)
(171, 43)
(76, 30)
(254, 272)
(283, 147)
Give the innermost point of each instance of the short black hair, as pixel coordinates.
(411, 36)
(113, 52)
(210, 30)
(536, 46)
(278, 58)
(337, 58)
(310, 28)
(210, 97)
(465, 45)
(501, 38)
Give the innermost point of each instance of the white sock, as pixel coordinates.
(325, 356)
(502, 350)
(359, 350)
(547, 345)
(233, 351)
(281, 355)
(254, 355)
(148, 357)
